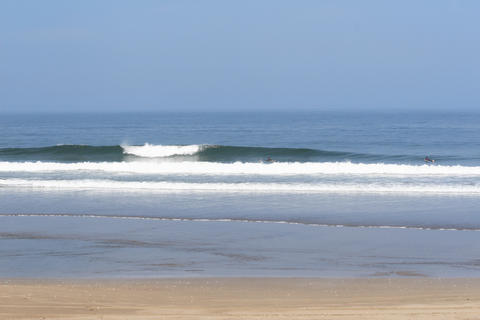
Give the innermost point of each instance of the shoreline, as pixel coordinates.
(240, 298)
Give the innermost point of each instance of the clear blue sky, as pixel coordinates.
(114, 55)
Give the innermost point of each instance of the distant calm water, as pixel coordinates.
(319, 194)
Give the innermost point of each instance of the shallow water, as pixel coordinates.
(113, 247)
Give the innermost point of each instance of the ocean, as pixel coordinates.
(239, 194)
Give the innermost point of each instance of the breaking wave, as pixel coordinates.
(244, 168)
(217, 168)
(159, 151)
(205, 152)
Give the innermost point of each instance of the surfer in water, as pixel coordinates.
(427, 159)
(269, 160)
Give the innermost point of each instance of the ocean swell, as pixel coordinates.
(195, 152)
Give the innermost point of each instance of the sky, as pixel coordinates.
(268, 55)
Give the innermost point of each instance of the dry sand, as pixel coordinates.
(241, 298)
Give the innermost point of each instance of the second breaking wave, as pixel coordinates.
(245, 168)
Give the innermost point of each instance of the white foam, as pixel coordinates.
(160, 151)
(243, 187)
(244, 168)
(235, 220)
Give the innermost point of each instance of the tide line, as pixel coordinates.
(235, 220)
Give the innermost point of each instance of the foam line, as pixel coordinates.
(164, 186)
(245, 168)
(187, 219)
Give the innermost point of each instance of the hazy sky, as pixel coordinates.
(113, 55)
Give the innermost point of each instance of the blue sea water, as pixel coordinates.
(239, 194)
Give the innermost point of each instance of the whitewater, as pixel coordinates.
(243, 187)
(164, 168)
(159, 151)
(243, 168)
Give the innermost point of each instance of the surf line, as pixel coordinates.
(186, 219)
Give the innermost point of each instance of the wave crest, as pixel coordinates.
(160, 151)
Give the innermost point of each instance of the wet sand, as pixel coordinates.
(241, 298)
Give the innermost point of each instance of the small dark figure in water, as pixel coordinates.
(269, 160)
(427, 159)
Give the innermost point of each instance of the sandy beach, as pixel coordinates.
(241, 298)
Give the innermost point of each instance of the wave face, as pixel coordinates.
(209, 153)
(64, 153)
